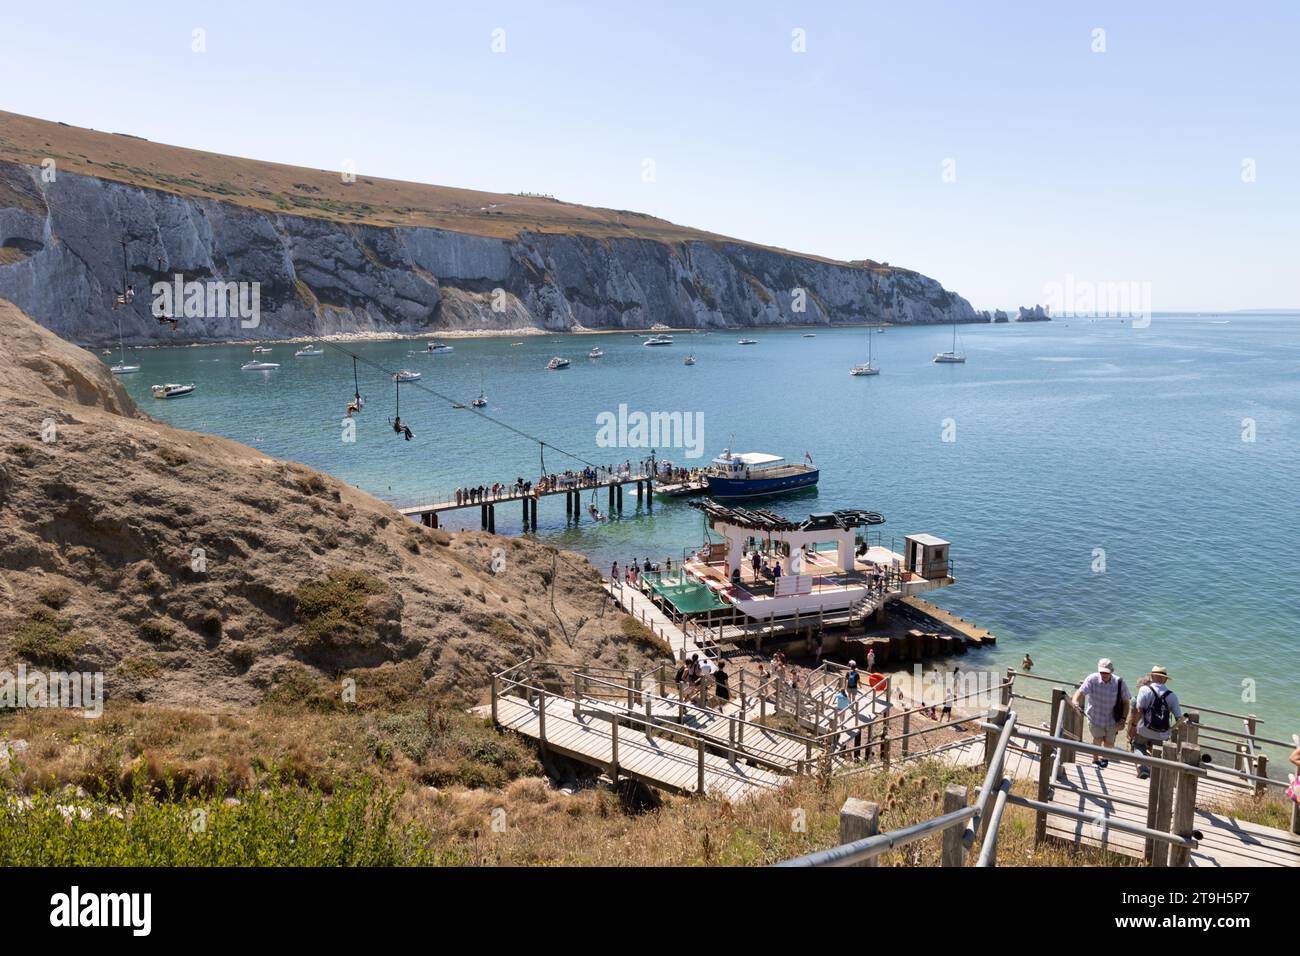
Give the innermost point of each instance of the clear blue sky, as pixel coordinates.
(1117, 166)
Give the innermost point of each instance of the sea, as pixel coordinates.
(1126, 489)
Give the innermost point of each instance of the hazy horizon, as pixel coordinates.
(998, 150)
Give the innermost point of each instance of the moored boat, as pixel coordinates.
(754, 474)
(308, 350)
(690, 360)
(256, 366)
(171, 390)
(595, 353)
(557, 362)
(659, 340)
(952, 357)
(747, 342)
(406, 376)
(261, 349)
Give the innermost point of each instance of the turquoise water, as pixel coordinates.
(1070, 436)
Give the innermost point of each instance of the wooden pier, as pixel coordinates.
(427, 514)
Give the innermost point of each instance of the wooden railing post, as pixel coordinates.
(859, 819)
(541, 716)
(613, 751)
(954, 798)
(1261, 770)
(997, 716)
(907, 727)
(1046, 757)
(1008, 686)
(1162, 786)
(661, 680)
(632, 690)
(699, 773)
(577, 693)
(494, 699)
(649, 723)
(1184, 814)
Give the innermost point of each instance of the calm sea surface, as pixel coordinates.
(1071, 436)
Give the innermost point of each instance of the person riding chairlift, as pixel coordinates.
(165, 318)
(356, 405)
(402, 429)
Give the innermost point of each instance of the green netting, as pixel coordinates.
(688, 596)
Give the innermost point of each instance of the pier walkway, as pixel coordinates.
(428, 514)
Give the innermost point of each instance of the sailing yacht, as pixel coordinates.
(121, 368)
(953, 357)
(866, 368)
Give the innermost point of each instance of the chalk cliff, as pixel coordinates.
(331, 257)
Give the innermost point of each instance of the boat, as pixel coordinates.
(595, 353)
(121, 368)
(557, 362)
(480, 402)
(810, 335)
(458, 405)
(171, 390)
(953, 357)
(106, 352)
(659, 340)
(257, 366)
(437, 348)
(405, 376)
(747, 342)
(690, 360)
(866, 368)
(754, 474)
(261, 349)
(308, 350)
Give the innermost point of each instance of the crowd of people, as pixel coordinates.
(588, 477)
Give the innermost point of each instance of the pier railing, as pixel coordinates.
(1169, 836)
(1234, 751)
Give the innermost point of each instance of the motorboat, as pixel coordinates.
(595, 353)
(659, 340)
(480, 402)
(171, 390)
(557, 362)
(755, 474)
(437, 348)
(690, 360)
(256, 366)
(261, 349)
(747, 342)
(308, 351)
(406, 376)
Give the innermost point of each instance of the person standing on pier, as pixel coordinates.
(871, 659)
(613, 574)
(1107, 705)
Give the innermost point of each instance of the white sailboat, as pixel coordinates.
(953, 357)
(121, 368)
(866, 368)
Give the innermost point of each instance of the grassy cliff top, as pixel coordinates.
(321, 193)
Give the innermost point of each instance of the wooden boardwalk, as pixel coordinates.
(428, 514)
(1115, 791)
(661, 763)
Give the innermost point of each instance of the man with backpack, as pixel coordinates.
(1155, 716)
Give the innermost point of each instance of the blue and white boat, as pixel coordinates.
(755, 474)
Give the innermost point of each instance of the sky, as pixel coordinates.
(999, 147)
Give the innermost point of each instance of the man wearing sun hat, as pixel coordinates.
(1157, 713)
(1103, 691)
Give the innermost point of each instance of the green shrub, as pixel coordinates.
(336, 608)
(45, 638)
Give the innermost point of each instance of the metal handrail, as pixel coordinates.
(1075, 683)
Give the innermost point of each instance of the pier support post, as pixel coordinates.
(620, 498)
(568, 504)
(611, 499)
(492, 519)
(525, 502)
(483, 516)
(533, 509)
(650, 495)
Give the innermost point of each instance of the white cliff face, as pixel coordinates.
(61, 261)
